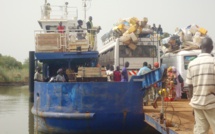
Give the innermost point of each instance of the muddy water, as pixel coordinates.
(15, 115)
(15, 112)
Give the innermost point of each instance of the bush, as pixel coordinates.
(12, 70)
(14, 75)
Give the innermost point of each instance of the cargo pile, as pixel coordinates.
(188, 38)
(129, 30)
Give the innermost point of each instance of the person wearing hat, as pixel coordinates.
(37, 75)
(156, 65)
(60, 77)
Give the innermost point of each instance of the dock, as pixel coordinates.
(179, 118)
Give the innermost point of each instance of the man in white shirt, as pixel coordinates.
(37, 75)
(60, 77)
(201, 80)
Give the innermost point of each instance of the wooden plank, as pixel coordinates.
(48, 35)
(91, 72)
(179, 112)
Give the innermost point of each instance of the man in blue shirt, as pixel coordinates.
(124, 74)
(144, 69)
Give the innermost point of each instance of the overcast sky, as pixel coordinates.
(19, 18)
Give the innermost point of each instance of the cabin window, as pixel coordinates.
(50, 28)
(187, 60)
(140, 51)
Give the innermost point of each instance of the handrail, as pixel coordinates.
(58, 12)
(64, 40)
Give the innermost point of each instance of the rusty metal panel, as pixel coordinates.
(94, 106)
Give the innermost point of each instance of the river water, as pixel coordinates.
(15, 111)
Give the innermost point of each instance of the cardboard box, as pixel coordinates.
(134, 37)
(132, 46)
(203, 31)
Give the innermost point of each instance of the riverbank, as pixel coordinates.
(13, 83)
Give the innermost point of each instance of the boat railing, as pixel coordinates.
(70, 41)
(58, 12)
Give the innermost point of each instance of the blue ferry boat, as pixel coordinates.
(86, 103)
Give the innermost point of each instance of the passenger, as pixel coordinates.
(160, 30)
(89, 24)
(65, 75)
(60, 28)
(149, 91)
(107, 68)
(161, 84)
(80, 34)
(47, 11)
(179, 81)
(60, 77)
(144, 69)
(80, 23)
(117, 74)
(37, 75)
(154, 28)
(124, 74)
(156, 65)
(150, 66)
(200, 80)
(91, 33)
(110, 73)
(156, 86)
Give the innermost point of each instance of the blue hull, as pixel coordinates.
(89, 107)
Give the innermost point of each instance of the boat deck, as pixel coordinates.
(179, 117)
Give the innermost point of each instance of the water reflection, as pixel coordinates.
(15, 115)
(15, 112)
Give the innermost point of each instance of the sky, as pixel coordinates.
(19, 18)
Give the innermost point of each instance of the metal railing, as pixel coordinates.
(59, 12)
(70, 40)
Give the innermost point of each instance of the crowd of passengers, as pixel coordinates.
(112, 75)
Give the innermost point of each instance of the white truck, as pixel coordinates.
(181, 60)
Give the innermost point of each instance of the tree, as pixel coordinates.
(26, 63)
(9, 62)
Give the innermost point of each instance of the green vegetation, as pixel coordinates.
(12, 70)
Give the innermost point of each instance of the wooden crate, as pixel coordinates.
(91, 72)
(72, 46)
(50, 42)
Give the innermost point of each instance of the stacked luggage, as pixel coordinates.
(129, 30)
(188, 38)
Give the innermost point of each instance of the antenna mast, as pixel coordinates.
(85, 8)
